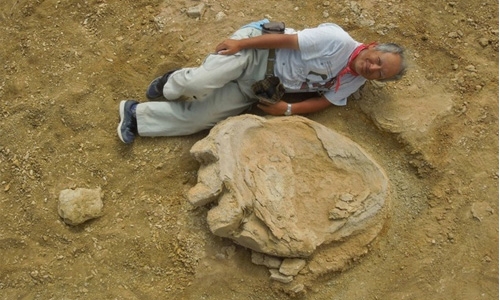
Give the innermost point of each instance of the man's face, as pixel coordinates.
(376, 65)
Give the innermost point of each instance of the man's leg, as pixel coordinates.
(216, 71)
(176, 118)
(222, 87)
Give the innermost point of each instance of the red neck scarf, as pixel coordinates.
(347, 69)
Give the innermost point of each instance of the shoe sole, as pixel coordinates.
(122, 118)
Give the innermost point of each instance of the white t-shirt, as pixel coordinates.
(324, 52)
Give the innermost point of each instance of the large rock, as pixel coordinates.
(284, 186)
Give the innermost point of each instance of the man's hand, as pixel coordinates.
(277, 109)
(228, 47)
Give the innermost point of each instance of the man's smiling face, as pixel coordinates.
(376, 65)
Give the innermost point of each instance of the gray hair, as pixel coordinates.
(396, 49)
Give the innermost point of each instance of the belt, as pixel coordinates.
(270, 63)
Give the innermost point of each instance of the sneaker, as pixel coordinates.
(153, 92)
(155, 88)
(127, 128)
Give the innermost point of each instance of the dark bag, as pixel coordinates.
(269, 90)
(273, 27)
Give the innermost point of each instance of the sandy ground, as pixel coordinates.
(67, 64)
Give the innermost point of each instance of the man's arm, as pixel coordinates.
(265, 41)
(304, 107)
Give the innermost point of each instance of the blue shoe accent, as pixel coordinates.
(155, 88)
(127, 128)
(152, 92)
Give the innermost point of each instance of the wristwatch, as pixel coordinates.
(288, 111)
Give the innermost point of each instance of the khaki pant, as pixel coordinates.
(200, 97)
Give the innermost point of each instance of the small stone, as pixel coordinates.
(299, 288)
(481, 210)
(257, 258)
(272, 262)
(337, 214)
(219, 16)
(346, 197)
(470, 68)
(262, 259)
(292, 266)
(484, 42)
(79, 205)
(196, 11)
(276, 275)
